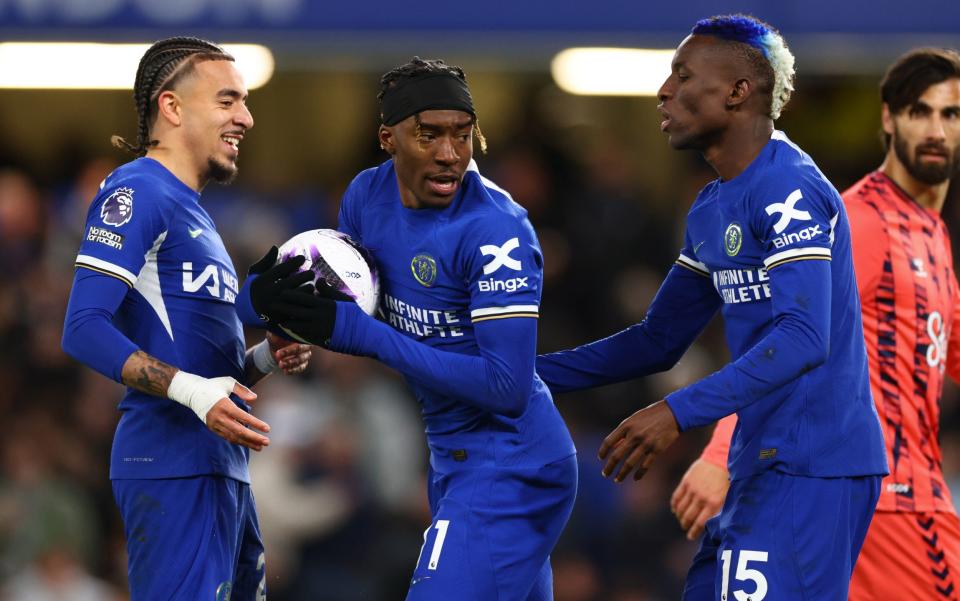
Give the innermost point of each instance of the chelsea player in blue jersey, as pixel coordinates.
(461, 273)
(152, 307)
(768, 244)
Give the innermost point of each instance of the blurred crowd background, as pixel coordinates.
(341, 491)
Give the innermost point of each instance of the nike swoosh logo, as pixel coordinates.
(697, 247)
(198, 231)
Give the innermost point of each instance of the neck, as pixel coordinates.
(180, 164)
(926, 195)
(737, 147)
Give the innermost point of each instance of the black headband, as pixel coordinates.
(431, 91)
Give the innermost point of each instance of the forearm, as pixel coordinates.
(258, 363)
(718, 448)
(628, 354)
(251, 375)
(148, 374)
(683, 306)
(498, 380)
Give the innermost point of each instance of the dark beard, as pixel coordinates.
(220, 173)
(929, 174)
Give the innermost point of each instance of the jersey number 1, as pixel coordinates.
(744, 573)
(441, 527)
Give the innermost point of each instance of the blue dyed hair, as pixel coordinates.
(737, 28)
(762, 37)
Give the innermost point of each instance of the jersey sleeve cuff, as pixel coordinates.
(797, 254)
(693, 265)
(105, 267)
(487, 313)
(678, 405)
(243, 305)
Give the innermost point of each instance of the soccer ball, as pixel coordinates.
(336, 259)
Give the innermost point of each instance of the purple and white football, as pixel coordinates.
(340, 262)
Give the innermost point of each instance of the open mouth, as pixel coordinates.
(232, 141)
(443, 185)
(666, 119)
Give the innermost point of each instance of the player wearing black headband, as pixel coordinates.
(461, 273)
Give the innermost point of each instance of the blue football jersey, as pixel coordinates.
(444, 270)
(782, 209)
(147, 228)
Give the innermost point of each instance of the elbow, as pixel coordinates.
(814, 351)
(513, 399)
(68, 341)
(668, 359)
(816, 357)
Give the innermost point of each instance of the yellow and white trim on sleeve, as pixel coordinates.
(692, 265)
(488, 313)
(104, 267)
(797, 254)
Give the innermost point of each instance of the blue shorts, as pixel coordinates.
(195, 539)
(493, 530)
(784, 538)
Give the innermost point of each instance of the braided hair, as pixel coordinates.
(418, 66)
(162, 66)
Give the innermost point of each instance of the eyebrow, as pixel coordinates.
(231, 93)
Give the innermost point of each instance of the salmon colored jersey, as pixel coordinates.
(908, 292)
(909, 297)
(909, 557)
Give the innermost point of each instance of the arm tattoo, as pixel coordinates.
(148, 374)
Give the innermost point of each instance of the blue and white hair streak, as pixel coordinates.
(765, 38)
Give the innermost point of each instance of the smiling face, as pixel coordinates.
(431, 151)
(215, 117)
(925, 136)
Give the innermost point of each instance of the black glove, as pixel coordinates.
(272, 280)
(308, 317)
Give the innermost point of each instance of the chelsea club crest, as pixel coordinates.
(732, 239)
(424, 268)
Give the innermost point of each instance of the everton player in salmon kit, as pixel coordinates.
(152, 307)
(768, 245)
(909, 296)
(461, 273)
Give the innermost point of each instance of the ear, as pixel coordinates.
(386, 137)
(741, 91)
(886, 119)
(170, 108)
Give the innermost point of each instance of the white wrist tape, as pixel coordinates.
(263, 358)
(197, 393)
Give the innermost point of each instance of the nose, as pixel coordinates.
(244, 117)
(936, 129)
(665, 91)
(446, 151)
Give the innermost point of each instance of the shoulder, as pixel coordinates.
(132, 188)
(792, 175)
(368, 184)
(863, 199)
(487, 204)
(490, 216)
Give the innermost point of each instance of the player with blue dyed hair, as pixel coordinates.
(768, 245)
(774, 67)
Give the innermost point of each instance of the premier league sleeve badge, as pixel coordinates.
(118, 208)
